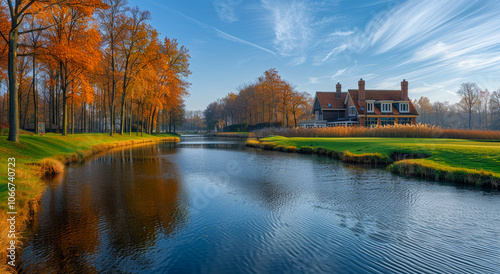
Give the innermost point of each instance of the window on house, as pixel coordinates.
(386, 107)
(369, 107)
(387, 121)
(371, 122)
(352, 111)
(404, 107)
(404, 121)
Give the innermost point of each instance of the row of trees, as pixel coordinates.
(94, 65)
(478, 109)
(269, 99)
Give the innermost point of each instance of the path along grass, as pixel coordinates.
(33, 152)
(455, 160)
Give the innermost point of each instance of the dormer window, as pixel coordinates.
(386, 107)
(352, 111)
(404, 107)
(369, 107)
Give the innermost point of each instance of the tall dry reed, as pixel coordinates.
(401, 131)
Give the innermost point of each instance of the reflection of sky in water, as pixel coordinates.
(206, 209)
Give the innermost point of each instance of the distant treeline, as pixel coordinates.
(269, 99)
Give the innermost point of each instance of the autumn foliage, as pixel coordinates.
(88, 66)
(268, 100)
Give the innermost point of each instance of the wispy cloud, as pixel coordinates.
(238, 40)
(292, 30)
(338, 73)
(334, 52)
(212, 29)
(342, 33)
(429, 42)
(334, 77)
(226, 9)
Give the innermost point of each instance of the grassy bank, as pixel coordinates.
(51, 152)
(454, 160)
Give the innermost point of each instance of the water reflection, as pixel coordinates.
(112, 208)
(204, 206)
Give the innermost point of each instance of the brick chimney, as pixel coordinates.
(361, 93)
(339, 90)
(404, 90)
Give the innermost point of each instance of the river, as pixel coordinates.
(213, 206)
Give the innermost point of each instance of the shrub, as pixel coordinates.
(291, 149)
(322, 151)
(280, 148)
(267, 145)
(306, 150)
(51, 167)
(252, 143)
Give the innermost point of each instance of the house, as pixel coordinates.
(362, 107)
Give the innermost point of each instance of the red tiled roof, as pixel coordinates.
(326, 98)
(380, 95)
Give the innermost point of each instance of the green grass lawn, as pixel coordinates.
(445, 153)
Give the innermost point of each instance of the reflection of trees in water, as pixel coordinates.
(113, 209)
(67, 232)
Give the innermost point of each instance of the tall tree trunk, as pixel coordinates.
(35, 96)
(26, 109)
(470, 118)
(64, 88)
(72, 115)
(13, 91)
(124, 94)
(131, 117)
(152, 122)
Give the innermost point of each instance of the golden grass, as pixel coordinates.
(405, 131)
(267, 145)
(252, 143)
(455, 175)
(51, 167)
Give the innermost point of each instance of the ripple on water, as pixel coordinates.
(148, 210)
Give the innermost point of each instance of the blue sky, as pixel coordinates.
(435, 44)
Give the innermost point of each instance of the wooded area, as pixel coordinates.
(88, 66)
(477, 109)
(270, 99)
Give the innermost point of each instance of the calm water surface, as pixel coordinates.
(213, 206)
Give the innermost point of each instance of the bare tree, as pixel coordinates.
(470, 93)
(494, 107)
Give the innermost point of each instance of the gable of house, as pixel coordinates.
(329, 100)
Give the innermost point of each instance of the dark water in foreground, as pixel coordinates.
(214, 206)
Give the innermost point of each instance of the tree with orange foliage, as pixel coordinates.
(112, 31)
(74, 46)
(172, 69)
(137, 48)
(18, 11)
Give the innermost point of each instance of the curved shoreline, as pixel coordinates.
(399, 163)
(29, 173)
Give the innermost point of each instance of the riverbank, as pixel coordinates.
(32, 150)
(453, 160)
(231, 134)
